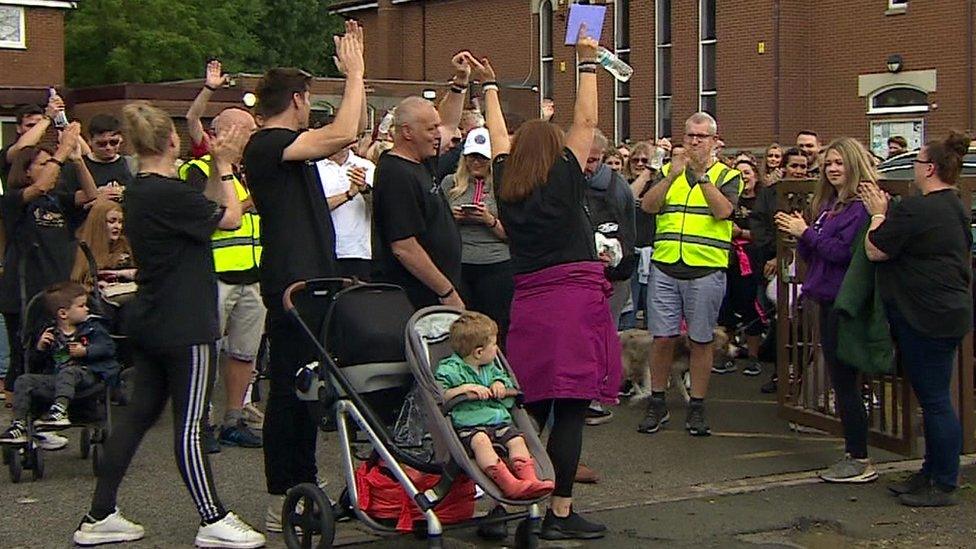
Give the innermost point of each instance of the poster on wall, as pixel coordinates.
(912, 130)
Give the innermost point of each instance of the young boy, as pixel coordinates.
(480, 423)
(79, 354)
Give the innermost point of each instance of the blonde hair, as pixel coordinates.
(857, 168)
(470, 331)
(147, 128)
(462, 178)
(375, 150)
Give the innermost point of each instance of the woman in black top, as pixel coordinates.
(173, 324)
(922, 244)
(40, 245)
(562, 342)
(642, 178)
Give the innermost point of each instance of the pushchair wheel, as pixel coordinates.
(342, 509)
(307, 513)
(36, 463)
(14, 463)
(7, 452)
(84, 443)
(527, 533)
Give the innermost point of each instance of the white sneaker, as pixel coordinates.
(112, 529)
(50, 441)
(229, 531)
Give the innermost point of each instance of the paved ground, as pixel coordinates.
(748, 485)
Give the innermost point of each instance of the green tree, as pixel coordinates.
(298, 33)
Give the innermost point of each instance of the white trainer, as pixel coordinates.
(229, 531)
(112, 529)
(50, 441)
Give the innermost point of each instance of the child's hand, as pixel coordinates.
(482, 392)
(77, 350)
(498, 390)
(46, 340)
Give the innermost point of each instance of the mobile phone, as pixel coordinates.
(469, 207)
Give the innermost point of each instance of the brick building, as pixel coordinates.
(766, 68)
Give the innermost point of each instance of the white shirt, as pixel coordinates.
(351, 219)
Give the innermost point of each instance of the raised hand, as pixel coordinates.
(462, 67)
(69, 137)
(229, 145)
(54, 105)
(586, 47)
(482, 70)
(349, 50)
(215, 77)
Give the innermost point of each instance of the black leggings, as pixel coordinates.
(185, 375)
(565, 437)
(16, 365)
(845, 381)
(488, 289)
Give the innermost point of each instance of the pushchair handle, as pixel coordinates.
(292, 288)
(471, 397)
(327, 285)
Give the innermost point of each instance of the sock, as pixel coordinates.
(657, 395)
(232, 417)
(99, 515)
(697, 401)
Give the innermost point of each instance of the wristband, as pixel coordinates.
(227, 177)
(488, 87)
(586, 69)
(446, 294)
(456, 88)
(209, 87)
(348, 197)
(879, 216)
(489, 83)
(587, 63)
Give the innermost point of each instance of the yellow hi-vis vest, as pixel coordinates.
(237, 250)
(686, 230)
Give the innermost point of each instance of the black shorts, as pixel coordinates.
(499, 434)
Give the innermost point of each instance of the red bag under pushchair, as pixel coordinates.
(382, 497)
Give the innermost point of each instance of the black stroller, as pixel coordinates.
(391, 378)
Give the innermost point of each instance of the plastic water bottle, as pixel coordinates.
(614, 65)
(60, 119)
(386, 122)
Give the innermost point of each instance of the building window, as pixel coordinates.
(621, 40)
(12, 34)
(707, 88)
(545, 52)
(897, 4)
(662, 68)
(898, 100)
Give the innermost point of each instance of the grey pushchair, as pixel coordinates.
(375, 367)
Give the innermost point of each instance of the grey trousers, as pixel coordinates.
(621, 293)
(65, 383)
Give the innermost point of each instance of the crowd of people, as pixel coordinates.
(556, 235)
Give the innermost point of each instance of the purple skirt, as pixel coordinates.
(562, 341)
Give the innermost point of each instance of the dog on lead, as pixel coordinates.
(636, 352)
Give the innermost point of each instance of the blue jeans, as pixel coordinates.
(929, 363)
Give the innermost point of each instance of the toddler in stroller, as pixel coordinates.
(486, 422)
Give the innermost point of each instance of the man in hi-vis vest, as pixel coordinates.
(693, 203)
(237, 257)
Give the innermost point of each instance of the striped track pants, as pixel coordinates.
(185, 374)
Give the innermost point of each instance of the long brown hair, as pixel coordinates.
(536, 147)
(639, 147)
(857, 168)
(94, 232)
(20, 167)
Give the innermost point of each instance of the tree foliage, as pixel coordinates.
(110, 41)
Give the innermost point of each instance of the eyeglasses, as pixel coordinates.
(699, 136)
(114, 142)
(640, 160)
(917, 161)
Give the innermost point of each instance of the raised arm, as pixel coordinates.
(579, 139)
(34, 135)
(328, 140)
(214, 80)
(88, 191)
(48, 178)
(452, 104)
(494, 117)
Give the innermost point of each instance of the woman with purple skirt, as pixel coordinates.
(562, 342)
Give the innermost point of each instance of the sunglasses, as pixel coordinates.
(917, 161)
(640, 160)
(114, 142)
(700, 136)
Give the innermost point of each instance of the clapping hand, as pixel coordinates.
(462, 67)
(483, 71)
(229, 145)
(791, 223)
(215, 77)
(875, 200)
(357, 178)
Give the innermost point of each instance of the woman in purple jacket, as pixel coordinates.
(826, 248)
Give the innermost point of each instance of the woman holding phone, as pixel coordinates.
(486, 267)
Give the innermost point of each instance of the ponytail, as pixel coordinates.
(147, 128)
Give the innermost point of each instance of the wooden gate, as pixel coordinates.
(804, 392)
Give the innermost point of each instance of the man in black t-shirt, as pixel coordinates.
(420, 247)
(111, 170)
(298, 244)
(32, 123)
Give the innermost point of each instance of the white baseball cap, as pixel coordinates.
(477, 143)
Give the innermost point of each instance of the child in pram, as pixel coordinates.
(483, 423)
(74, 354)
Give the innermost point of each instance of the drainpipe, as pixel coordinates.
(776, 69)
(423, 39)
(971, 51)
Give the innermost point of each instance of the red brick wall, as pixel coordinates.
(42, 63)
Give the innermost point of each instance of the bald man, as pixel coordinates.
(237, 256)
(420, 247)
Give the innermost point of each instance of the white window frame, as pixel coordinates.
(897, 4)
(658, 50)
(619, 99)
(22, 44)
(545, 88)
(873, 123)
(907, 109)
(702, 42)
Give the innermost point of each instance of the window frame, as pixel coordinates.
(702, 44)
(22, 44)
(621, 101)
(546, 85)
(907, 109)
(659, 49)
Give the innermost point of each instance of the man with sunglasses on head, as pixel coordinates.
(694, 202)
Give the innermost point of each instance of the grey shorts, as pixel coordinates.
(241, 319)
(498, 434)
(697, 301)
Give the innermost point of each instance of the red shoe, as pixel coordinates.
(510, 486)
(524, 469)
